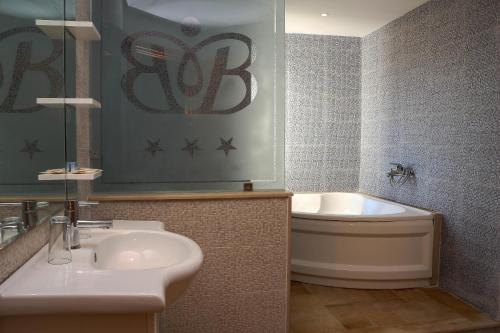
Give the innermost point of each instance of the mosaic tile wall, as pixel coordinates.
(82, 89)
(22, 249)
(323, 112)
(430, 99)
(243, 283)
(14, 255)
(9, 211)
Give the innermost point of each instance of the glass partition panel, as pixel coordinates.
(32, 135)
(31, 66)
(192, 95)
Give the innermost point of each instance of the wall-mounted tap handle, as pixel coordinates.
(42, 204)
(83, 203)
(398, 166)
(10, 204)
(39, 204)
(399, 174)
(95, 224)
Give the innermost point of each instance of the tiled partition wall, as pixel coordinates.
(25, 246)
(22, 249)
(323, 112)
(430, 99)
(243, 283)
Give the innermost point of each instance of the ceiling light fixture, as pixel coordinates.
(324, 14)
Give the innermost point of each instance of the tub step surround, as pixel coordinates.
(353, 240)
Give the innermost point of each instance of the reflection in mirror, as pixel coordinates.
(17, 218)
(31, 135)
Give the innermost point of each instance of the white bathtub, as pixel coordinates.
(353, 240)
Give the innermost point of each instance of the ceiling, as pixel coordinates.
(345, 17)
(214, 13)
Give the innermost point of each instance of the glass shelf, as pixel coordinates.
(61, 102)
(70, 176)
(81, 30)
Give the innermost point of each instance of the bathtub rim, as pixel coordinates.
(411, 212)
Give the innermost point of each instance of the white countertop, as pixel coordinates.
(80, 287)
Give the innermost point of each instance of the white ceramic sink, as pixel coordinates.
(135, 267)
(141, 250)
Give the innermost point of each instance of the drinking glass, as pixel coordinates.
(59, 241)
(10, 227)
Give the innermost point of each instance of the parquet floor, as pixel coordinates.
(319, 309)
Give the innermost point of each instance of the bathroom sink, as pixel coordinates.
(135, 267)
(141, 250)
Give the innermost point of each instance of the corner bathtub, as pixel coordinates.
(353, 240)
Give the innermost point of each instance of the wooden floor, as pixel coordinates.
(318, 309)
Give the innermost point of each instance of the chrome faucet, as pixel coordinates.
(399, 174)
(71, 210)
(29, 211)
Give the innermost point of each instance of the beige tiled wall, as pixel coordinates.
(22, 249)
(243, 283)
(25, 246)
(83, 115)
(9, 211)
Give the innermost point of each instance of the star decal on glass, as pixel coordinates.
(153, 147)
(31, 148)
(226, 146)
(191, 146)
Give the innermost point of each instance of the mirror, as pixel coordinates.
(32, 135)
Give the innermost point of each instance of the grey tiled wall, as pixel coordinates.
(430, 99)
(323, 112)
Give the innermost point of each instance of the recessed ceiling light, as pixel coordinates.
(324, 14)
